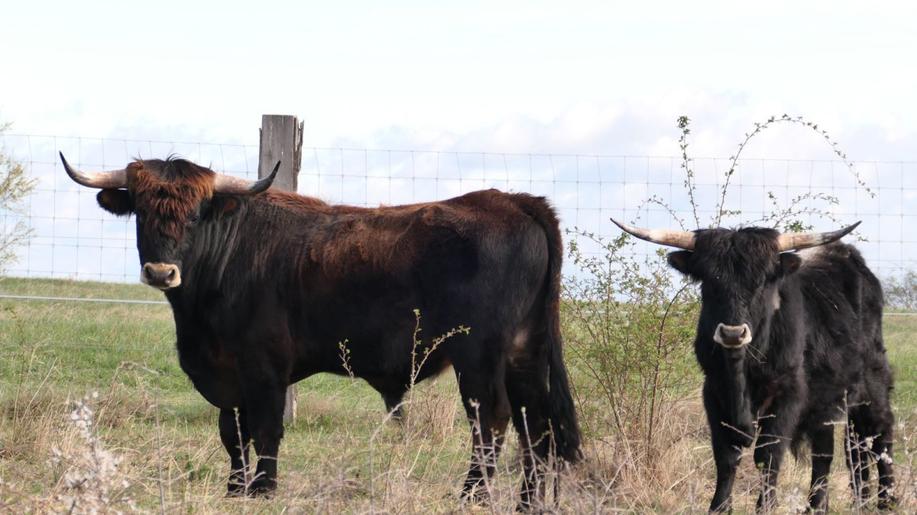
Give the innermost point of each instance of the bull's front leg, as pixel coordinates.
(775, 432)
(726, 450)
(235, 438)
(264, 397)
(822, 454)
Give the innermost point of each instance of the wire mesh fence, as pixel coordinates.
(73, 238)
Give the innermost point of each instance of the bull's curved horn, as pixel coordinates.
(236, 186)
(105, 180)
(799, 241)
(680, 239)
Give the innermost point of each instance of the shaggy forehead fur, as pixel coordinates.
(169, 191)
(745, 255)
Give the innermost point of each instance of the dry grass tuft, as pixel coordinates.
(70, 462)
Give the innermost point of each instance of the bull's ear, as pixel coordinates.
(789, 262)
(116, 202)
(682, 261)
(223, 205)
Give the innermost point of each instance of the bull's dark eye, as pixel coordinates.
(193, 218)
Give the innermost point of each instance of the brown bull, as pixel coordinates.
(264, 284)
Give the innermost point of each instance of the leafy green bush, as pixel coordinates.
(630, 339)
(901, 292)
(14, 187)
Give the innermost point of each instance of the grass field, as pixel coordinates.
(341, 454)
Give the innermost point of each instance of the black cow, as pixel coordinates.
(789, 343)
(263, 285)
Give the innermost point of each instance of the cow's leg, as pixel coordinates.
(264, 400)
(235, 439)
(822, 454)
(528, 395)
(725, 453)
(487, 407)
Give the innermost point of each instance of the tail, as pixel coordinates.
(562, 411)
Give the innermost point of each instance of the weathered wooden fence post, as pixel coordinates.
(281, 140)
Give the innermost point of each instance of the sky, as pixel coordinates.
(505, 78)
(584, 77)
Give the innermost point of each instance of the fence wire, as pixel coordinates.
(75, 239)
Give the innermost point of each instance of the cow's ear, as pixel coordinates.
(116, 202)
(682, 261)
(224, 205)
(789, 263)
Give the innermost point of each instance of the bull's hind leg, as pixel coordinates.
(487, 407)
(235, 438)
(822, 455)
(528, 394)
(882, 448)
(883, 422)
(869, 438)
(874, 423)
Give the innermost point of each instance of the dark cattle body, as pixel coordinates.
(790, 343)
(264, 284)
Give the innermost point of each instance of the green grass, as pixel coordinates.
(900, 332)
(148, 411)
(61, 351)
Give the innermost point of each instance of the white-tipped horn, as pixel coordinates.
(105, 180)
(235, 186)
(679, 239)
(799, 241)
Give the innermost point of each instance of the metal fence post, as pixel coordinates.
(281, 140)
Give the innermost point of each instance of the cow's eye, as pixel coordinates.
(193, 218)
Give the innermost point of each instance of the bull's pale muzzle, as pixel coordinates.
(163, 276)
(732, 336)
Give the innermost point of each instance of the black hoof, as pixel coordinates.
(887, 503)
(262, 487)
(236, 486)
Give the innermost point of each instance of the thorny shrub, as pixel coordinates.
(90, 476)
(87, 477)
